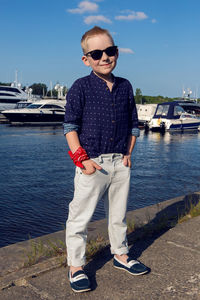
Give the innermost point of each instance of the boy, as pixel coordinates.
(101, 127)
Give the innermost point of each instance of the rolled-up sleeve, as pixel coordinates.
(136, 132)
(67, 127)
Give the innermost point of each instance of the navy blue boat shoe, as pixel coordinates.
(134, 267)
(79, 282)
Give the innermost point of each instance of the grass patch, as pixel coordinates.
(94, 247)
(40, 251)
(194, 211)
(130, 225)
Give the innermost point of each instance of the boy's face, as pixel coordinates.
(106, 64)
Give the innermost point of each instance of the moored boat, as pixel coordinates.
(170, 116)
(190, 107)
(145, 113)
(10, 95)
(45, 111)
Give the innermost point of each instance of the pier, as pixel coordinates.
(172, 253)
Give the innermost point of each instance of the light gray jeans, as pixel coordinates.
(112, 184)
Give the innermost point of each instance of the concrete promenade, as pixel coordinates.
(171, 250)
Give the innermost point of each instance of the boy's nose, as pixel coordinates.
(105, 56)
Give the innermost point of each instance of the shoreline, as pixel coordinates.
(13, 257)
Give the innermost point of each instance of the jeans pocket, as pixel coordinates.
(88, 175)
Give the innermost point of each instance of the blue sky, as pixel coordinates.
(158, 40)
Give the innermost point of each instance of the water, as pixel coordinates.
(36, 177)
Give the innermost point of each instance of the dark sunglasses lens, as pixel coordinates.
(96, 54)
(111, 51)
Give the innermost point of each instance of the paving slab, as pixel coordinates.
(18, 293)
(175, 272)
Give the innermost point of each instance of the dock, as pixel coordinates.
(171, 252)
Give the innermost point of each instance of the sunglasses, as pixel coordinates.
(97, 54)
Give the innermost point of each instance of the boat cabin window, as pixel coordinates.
(34, 106)
(52, 106)
(9, 89)
(21, 105)
(162, 110)
(178, 110)
(7, 94)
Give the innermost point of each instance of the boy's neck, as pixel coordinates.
(107, 78)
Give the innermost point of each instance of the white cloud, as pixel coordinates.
(96, 19)
(153, 21)
(84, 7)
(126, 50)
(138, 16)
(126, 11)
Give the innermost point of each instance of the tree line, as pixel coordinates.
(141, 99)
(40, 89)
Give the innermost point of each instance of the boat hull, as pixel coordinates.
(176, 126)
(35, 118)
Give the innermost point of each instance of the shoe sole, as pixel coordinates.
(81, 291)
(135, 274)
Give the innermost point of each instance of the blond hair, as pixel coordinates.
(92, 32)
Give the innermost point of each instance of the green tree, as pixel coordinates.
(39, 89)
(138, 96)
(5, 84)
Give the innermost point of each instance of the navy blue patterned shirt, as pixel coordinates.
(104, 119)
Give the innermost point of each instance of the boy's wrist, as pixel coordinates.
(78, 156)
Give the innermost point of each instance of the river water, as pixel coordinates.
(36, 177)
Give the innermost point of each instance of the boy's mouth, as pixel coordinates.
(107, 64)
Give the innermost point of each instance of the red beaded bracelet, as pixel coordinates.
(79, 156)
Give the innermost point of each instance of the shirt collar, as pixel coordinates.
(99, 80)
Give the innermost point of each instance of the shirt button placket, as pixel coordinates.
(113, 117)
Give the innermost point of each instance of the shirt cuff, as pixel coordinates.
(136, 132)
(67, 127)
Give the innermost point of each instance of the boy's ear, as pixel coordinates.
(85, 60)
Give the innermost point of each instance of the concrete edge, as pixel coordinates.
(13, 272)
(17, 278)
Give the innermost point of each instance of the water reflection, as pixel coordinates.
(169, 137)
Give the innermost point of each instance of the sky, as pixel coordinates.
(158, 41)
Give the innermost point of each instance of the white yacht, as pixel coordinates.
(10, 95)
(190, 107)
(145, 113)
(42, 112)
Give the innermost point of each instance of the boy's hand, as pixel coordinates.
(90, 167)
(127, 160)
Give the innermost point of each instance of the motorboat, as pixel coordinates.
(145, 113)
(44, 111)
(10, 95)
(190, 106)
(171, 116)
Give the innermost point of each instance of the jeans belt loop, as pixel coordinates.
(100, 159)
